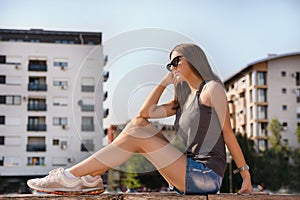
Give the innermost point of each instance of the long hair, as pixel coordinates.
(199, 64)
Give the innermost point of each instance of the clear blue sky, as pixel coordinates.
(233, 32)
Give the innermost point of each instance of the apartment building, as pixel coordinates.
(264, 90)
(51, 96)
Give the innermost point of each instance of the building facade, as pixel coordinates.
(264, 90)
(51, 96)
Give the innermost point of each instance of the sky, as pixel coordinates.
(233, 33)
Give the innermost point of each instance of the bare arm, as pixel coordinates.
(151, 109)
(214, 95)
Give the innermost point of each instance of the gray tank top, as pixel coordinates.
(200, 129)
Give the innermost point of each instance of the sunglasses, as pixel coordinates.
(173, 63)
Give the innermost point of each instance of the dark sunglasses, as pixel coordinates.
(173, 63)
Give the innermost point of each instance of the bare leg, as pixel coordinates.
(138, 137)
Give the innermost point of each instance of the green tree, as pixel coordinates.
(275, 139)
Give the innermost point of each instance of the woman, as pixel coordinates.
(202, 120)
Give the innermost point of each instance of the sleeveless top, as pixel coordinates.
(199, 127)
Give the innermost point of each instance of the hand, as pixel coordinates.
(178, 78)
(168, 79)
(246, 186)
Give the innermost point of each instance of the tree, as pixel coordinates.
(275, 139)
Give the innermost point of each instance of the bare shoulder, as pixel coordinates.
(213, 86)
(212, 91)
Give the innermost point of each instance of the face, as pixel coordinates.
(179, 67)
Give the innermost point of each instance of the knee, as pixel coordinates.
(140, 121)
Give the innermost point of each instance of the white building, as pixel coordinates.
(264, 90)
(51, 99)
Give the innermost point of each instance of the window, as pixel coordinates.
(60, 121)
(262, 95)
(284, 107)
(60, 83)
(2, 59)
(298, 78)
(262, 112)
(10, 100)
(2, 139)
(35, 161)
(285, 126)
(88, 84)
(37, 65)
(2, 79)
(298, 116)
(283, 90)
(60, 64)
(87, 124)
(55, 142)
(283, 73)
(87, 145)
(2, 119)
(261, 78)
(298, 95)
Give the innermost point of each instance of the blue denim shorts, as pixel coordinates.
(200, 179)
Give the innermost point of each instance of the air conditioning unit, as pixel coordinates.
(63, 144)
(62, 68)
(17, 67)
(64, 126)
(63, 87)
(293, 75)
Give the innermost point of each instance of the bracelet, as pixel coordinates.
(246, 167)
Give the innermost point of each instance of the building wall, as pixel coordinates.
(79, 102)
(282, 95)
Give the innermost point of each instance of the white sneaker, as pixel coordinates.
(56, 183)
(92, 185)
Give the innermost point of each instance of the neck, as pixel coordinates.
(194, 83)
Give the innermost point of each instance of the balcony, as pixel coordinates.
(37, 87)
(35, 147)
(37, 107)
(87, 127)
(88, 108)
(37, 67)
(36, 127)
(87, 88)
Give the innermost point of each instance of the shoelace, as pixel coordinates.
(55, 174)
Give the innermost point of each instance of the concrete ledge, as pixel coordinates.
(151, 196)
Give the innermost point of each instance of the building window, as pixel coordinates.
(261, 78)
(284, 107)
(283, 90)
(262, 112)
(35, 161)
(2, 79)
(37, 65)
(57, 121)
(10, 100)
(87, 145)
(298, 78)
(87, 84)
(55, 142)
(283, 73)
(87, 124)
(2, 119)
(2, 138)
(262, 95)
(62, 64)
(284, 126)
(2, 59)
(298, 116)
(298, 95)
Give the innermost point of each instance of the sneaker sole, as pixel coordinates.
(72, 193)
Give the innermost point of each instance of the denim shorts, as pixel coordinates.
(200, 179)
